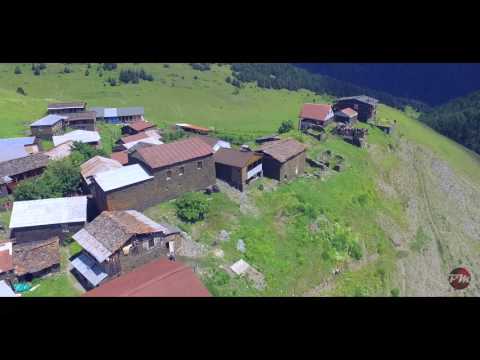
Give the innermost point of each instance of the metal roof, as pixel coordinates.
(83, 136)
(118, 178)
(48, 212)
(148, 140)
(69, 105)
(98, 110)
(48, 120)
(14, 148)
(362, 98)
(110, 112)
(92, 245)
(61, 151)
(97, 165)
(89, 268)
(6, 290)
(114, 112)
(130, 111)
(167, 230)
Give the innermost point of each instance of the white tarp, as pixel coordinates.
(240, 267)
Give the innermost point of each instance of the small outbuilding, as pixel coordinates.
(48, 126)
(315, 115)
(36, 258)
(137, 126)
(346, 116)
(159, 278)
(119, 115)
(365, 106)
(193, 128)
(36, 220)
(85, 120)
(283, 159)
(238, 167)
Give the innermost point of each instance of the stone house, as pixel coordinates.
(48, 126)
(365, 106)
(347, 116)
(36, 220)
(283, 159)
(116, 242)
(85, 120)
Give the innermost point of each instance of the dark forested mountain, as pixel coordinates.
(458, 119)
(287, 76)
(431, 83)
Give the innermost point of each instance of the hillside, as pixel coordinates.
(458, 119)
(410, 200)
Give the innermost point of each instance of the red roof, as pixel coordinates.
(130, 138)
(318, 112)
(158, 156)
(193, 127)
(120, 156)
(141, 125)
(349, 112)
(159, 278)
(6, 261)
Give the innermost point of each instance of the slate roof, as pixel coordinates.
(124, 176)
(235, 158)
(97, 165)
(35, 256)
(48, 212)
(362, 98)
(111, 230)
(318, 112)
(48, 120)
(159, 156)
(83, 136)
(283, 150)
(23, 164)
(159, 278)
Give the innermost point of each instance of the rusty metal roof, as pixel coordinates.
(235, 158)
(321, 112)
(141, 125)
(159, 278)
(159, 156)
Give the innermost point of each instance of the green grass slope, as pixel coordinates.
(391, 199)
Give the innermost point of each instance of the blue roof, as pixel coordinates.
(48, 120)
(14, 148)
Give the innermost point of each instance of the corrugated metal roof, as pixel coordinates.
(148, 140)
(69, 105)
(60, 151)
(6, 290)
(130, 111)
(48, 212)
(48, 120)
(92, 245)
(114, 112)
(14, 148)
(83, 136)
(118, 178)
(110, 112)
(89, 268)
(235, 158)
(98, 110)
(97, 165)
(141, 125)
(320, 112)
(168, 154)
(24, 141)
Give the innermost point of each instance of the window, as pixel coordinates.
(181, 170)
(199, 165)
(169, 174)
(151, 243)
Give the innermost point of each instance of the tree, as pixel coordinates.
(87, 72)
(285, 127)
(42, 66)
(62, 177)
(17, 70)
(21, 91)
(86, 151)
(67, 70)
(192, 207)
(36, 72)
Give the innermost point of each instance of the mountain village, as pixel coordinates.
(124, 252)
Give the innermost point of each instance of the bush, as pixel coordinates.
(192, 207)
(21, 91)
(42, 66)
(109, 66)
(36, 72)
(395, 292)
(285, 127)
(89, 66)
(134, 76)
(87, 72)
(200, 66)
(17, 70)
(112, 81)
(166, 65)
(173, 135)
(228, 80)
(67, 70)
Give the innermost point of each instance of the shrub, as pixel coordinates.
(89, 66)
(134, 76)
(200, 66)
(109, 66)
(112, 81)
(228, 80)
(67, 70)
(192, 207)
(166, 65)
(173, 135)
(87, 72)
(36, 72)
(21, 91)
(285, 127)
(42, 66)
(17, 70)
(395, 292)
(195, 77)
